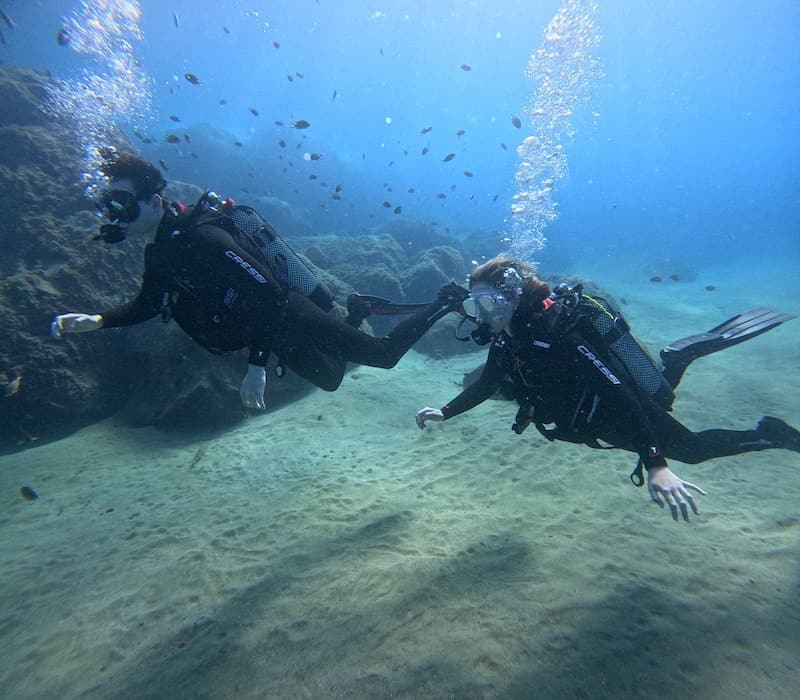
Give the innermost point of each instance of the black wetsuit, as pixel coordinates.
(560, 372)
(220, 291)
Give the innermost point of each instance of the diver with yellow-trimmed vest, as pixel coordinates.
(570, 362)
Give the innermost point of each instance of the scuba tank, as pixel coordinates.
(289, 270)
(615, 335)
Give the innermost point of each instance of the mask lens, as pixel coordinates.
(120, 206)
(482, 304)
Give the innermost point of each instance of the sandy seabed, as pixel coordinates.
(332, 550)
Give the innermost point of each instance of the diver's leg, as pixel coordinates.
(680, 443)
(322, 369)
(307, 324)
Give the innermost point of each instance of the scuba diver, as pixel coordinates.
(570, 361)
(229, 281)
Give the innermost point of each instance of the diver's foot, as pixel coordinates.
(451, 296)
(779, 432)
(357, 310)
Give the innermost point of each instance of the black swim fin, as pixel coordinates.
(679, 355)
(360, 306)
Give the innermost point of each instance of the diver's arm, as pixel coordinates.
(146, 304)
(143, 307)
(477, 392)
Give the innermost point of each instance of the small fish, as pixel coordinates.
(62, 38)
(314, 156)
(171, 138)
(426, 129)
(655, 278)
(411, 190)
(28, 493)
(467, 173)
(187, 138)
(709, 287)
(425, 150)
(253, 111)
(10, 384)
(201, 452)
(452, 188)
(516, 121)
(503, 146)
(338, 188)
(282, 143)
(223, 102)
(9, 22)
(333, 97)
(147, 139)
(387, 205)
(238, 143)
(448, 157)
(675, 278)
(276, 44)
(193, 155)
(300, 75)
(397, 210)
(460, 133)
(163, 164)
(278, 123)
(336, 196)
(300, 124)
(312, 177)
(494, 199)
(226, 30)
(175, 20)
(441, 195)
(193, 79)
(466, 67)
(174, 118)
(25, 438)
(290, 78)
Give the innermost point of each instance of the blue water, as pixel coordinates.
(687, 148)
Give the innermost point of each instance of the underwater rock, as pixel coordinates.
(436, 267)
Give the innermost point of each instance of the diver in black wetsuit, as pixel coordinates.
(217, 285)
(570, 361)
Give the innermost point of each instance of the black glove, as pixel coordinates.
(452, 295)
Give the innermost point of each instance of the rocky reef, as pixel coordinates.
(151, 374)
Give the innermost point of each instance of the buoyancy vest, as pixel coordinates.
(253, 232)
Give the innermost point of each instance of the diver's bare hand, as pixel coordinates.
(428, 413)
(664, 485)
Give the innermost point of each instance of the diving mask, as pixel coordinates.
(491, 307)
(121, 208)
(495, 305)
